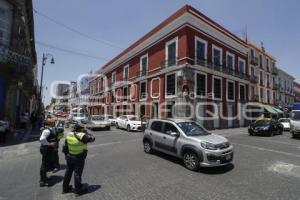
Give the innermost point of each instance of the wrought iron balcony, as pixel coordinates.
(254, 79)
(11, 57)
(254, 60)
(274, 70)
(141, 73)
(254, 98)
(275, 86)
(262, 83)
(221, 68)
(169, 63)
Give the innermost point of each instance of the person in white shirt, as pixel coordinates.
(49, 143)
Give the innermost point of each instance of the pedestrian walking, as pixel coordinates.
(33, 119)
(76, 151)
(49, 143)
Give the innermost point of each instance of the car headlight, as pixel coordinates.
(209, 146)
(292, 127)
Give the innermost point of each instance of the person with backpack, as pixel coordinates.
(49, 144)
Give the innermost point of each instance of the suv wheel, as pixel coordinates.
(191, 161)
(147, 147)
(128, 128)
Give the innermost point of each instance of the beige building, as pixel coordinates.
(263, 72)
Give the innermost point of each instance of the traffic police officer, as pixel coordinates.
(76, 151)
(48, 141)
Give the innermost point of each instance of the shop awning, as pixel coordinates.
(270, 110)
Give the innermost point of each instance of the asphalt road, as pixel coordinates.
(117, 168)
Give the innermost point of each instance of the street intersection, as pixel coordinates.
(117, 168)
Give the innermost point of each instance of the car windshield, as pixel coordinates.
(192, 129)
(98, 118)
(296, 115)
(284, 120)
(262, 123)
(134, 119)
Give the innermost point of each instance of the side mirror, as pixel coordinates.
(174, 134)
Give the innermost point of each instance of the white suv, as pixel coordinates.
(189, 141)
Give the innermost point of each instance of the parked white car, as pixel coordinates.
(98, 122)
(112, 120)
(130, 123)
(286, 123)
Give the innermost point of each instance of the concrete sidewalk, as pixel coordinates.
(19, 136)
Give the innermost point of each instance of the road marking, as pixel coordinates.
(285, 169)
(265, 149)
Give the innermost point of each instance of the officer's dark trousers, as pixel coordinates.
(47, 160)
(56, 158)
(74, 164)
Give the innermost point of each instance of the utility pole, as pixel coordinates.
(44, 60)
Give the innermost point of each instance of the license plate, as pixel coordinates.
(255, 131)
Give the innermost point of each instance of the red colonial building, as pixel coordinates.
(187, 66)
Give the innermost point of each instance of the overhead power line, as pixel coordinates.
(107, 43)
(70, 51)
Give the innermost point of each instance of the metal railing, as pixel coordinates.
(169, 63)
(8, 56)
(262, 83)
(141, 73)
(253, 79)
(254, 60)
(274, 70)
(254, 98)
(223, 69)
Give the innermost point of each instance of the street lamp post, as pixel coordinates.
(44, 60)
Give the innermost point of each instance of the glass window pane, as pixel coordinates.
(217, 57)
(156, 126)
(171, 84)
(201, 85)
(217, 88)
(170, 128)
(200, 50)
(172, 54)
(230, 90)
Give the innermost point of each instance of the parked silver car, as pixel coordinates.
(189, 141)
(95, 122)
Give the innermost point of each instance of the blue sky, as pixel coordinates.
(121, 23)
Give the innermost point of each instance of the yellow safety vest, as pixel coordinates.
(75, 146)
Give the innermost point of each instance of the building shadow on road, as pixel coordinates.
(204, 170)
